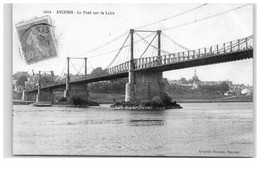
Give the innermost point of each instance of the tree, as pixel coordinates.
(97, 72)
(19, 74)
(183, 80)
(46, 79)
(223, 87)
(21, 80)
(113, 86)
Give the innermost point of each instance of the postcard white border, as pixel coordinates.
(118, 170)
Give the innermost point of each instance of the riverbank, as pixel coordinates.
(227, 99)
(103, 98)
(73, 101)
(21, 102)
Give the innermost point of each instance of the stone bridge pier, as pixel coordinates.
(80, 90)
(44, 95)
(143, 85)
(28, 96)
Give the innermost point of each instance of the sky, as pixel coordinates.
(76, 34)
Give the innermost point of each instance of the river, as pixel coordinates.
(199, 129)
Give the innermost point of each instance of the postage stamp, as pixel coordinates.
(37, 40)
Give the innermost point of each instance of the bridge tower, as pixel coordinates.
(130, 86)
(44, 94)
(80, 90)
(143, 84)
(66, 92)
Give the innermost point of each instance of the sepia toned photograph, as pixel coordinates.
(133, 80)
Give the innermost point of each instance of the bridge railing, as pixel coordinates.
(118, 68)
(147, 62)
(224, 48)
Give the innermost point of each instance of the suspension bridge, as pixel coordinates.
(145, 72)
(148, 70)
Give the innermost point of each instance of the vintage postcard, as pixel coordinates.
(161, 80)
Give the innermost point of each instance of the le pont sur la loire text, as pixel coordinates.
(79, 12)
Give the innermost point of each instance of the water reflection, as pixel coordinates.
(94, 122)
(150, 122)
(144, 118)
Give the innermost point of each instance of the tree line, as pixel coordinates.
(118, 85)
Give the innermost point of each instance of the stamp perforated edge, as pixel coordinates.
(25, 22)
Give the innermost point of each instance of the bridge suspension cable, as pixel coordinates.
(152, 45)
(153, 51)
(118, 52)
(176, 43)
(82, 66)
(102, 54)
(62, 71)
(146, 25)
(101, 46)
(205, 18)
(136, 49)
(180, 25)
(77, 70)
(90, 65)
(148, 46)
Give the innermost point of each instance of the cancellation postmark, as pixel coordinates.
(37, 40)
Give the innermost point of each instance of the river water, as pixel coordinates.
(199, 129)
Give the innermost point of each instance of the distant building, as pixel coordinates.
(194, 86)
(195, 78)
(19, 89)
(178, 82)
(246, 92)
(210, 83)
(195, 82)
(239, 89)
(14, 85)
(228, 82)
